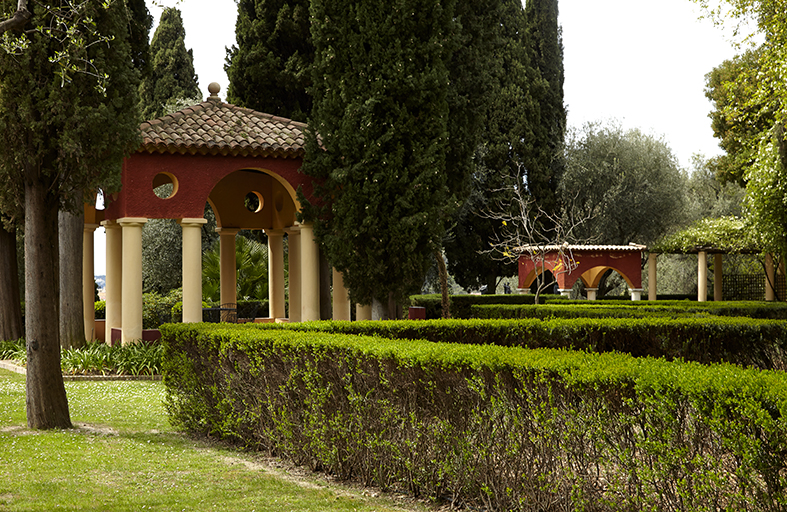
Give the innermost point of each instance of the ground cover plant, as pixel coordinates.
(123, 455)
(501, 428)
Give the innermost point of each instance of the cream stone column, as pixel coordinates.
(88, 282)
(228, 272)
(310, 275)
(591, 293)
(192, 268)
(718, 278)
(276, 273)
(636, 293)
(131, 312)
(770, 278)
(702, 276)
(652, 276)
(114, 283)
(294, 255)
(363, 312)
(341, 299)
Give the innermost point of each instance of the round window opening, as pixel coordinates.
(254, 202)
(165, 185)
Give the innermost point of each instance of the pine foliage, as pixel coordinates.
(510, 120)
(378, 139)
(544, 36)
(269, 68)
(172, 73)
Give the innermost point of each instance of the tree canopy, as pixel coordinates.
(506, 147)
(764, 99)
(627, 184)
(172, 67)
(378, 139)
(737, 120)
(270, 67)
(63, 136)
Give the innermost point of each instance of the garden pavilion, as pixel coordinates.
(225, 155)
(586, 262)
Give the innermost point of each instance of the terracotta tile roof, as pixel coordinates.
(217, 128)
(617, 248)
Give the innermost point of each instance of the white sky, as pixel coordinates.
(640, 62)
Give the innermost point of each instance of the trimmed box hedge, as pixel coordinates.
(743, 341)
(488, 426)
(461, 304)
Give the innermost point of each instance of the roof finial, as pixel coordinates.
(214, 89)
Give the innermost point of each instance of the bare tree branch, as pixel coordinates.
(527, 230)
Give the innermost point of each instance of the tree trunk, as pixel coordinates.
(72, 319)
(443, 271)
(326, 301)
(394, 309)
(46, 402)
(11, 327)
(491, 284)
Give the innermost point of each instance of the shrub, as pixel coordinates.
(13, 350)
(101, 309)
(157, 309)
(101, 359)
(494, 427)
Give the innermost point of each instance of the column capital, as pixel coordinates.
(90, 227)
(227, 231)
(109, 224)
(274, 232)
(132, 221)
(192, 221)
(293, 230)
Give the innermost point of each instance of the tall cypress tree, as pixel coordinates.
(378, 138)
(544, 36)
(60, 138)
(140, 23)
(506, 145)
(269, 69)
(172, 73)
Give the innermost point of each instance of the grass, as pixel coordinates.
(123, 455)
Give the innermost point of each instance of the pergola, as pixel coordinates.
(717, 237)
(718, 272)
(221, 154)
(586, 262)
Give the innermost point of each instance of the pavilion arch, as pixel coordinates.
(212, 152)
(568, 263)
(276, 200)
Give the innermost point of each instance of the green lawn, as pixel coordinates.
(123, 455)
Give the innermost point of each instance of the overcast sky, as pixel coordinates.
(642, 63)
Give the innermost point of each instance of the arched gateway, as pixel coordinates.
(245, 164)
(586, 262)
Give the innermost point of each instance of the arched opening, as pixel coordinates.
(253, 199)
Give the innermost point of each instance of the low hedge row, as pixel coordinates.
(743, 341)
(494, 427)
(461, 304)
(637, 309)
(477, 306)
